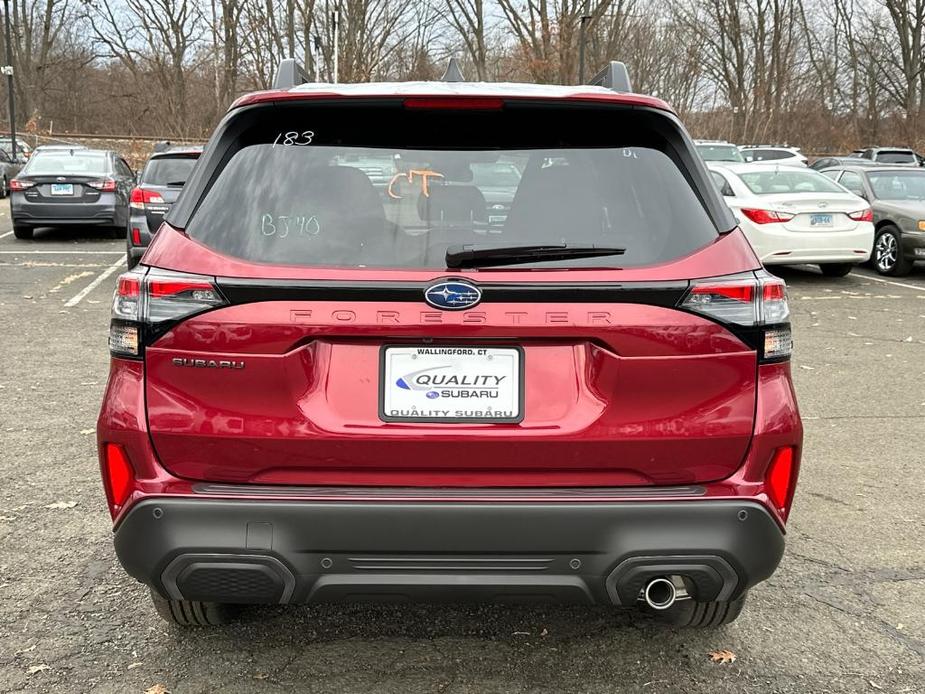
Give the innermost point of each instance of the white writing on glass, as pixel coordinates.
(282, 225)
(294, 138)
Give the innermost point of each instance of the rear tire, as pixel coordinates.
(888, 256)
(700, 615)
(192, 613)
(22, 232)
(836, 269)
(4, 188)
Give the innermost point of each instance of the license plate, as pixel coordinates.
(62, 188)
(820, 220)
(451, 384)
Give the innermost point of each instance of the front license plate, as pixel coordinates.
(62, 188)
(820, 220)
(451, 384)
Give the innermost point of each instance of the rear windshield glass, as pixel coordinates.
(720, 153)
(168, 171)
(58, 163)
(313, 197)
(901, 185)
(899, 157)
(776, 181)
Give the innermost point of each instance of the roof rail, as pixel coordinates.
(615, 76)
(453, 72)
(289, 74)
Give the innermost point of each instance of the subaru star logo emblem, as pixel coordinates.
(453, 295)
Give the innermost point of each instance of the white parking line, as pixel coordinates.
(94, 284)
(3, 236)
(895, 284)
(62, 252)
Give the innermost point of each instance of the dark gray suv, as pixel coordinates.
(897, 197)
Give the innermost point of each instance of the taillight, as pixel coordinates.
(148, 302)
(136, 236)
(766, 216)
(118, 474)
(16, 184)
(105, 185)
(753, 306)
(865, 215)
(140, 197)
(465, 103)
(781, 479)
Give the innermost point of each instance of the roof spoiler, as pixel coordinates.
(615, 76)
(289, 74)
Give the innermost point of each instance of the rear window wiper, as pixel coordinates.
(490, 256)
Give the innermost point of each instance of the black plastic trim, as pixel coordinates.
(446, 493)
(242, 291)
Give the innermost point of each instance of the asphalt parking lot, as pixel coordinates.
(845, 612)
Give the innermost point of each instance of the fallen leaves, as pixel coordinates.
(61, 505)
(85, 432)
(38, 668)
(157, 689)
(722, 656)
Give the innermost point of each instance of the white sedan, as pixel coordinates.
(794, 215)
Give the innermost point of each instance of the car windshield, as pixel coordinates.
(51, 163)
(163, 171)
(315, 197)
(897, 157)
(898, 185)
(499, 175)
(776, 181)
(720, 153)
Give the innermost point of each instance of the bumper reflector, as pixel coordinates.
(781, 479)
(119, 474)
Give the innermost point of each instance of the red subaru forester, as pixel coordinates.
(444, 341)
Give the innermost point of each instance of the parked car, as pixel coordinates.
(774, 154)
(60, 147)
(23, 150)
(796, 215)
(318, 396)
(848, 160)
(8, 171)
(159, 186)
(498, 182)
(719, 150)
(897, 197)
(77, 187)
(891, 155)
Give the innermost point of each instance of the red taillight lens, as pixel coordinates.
(136, 236)
(781, 479)
(139, 197)
(146, 302)
(865, 215)
(106, 185)
(118, 474)
(456, 103)
(758, 301)
(766, 216)
(16, 184)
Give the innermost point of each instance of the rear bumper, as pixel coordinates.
(284, 551)
(778, 246)
(103, 212)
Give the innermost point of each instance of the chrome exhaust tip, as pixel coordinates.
(660, 593)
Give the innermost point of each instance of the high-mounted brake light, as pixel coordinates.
(16, 184)
(146, 303)
(865, 215)
(105, 185)
(754, 306)
(456, 103)
(139, 197)
(766, 216)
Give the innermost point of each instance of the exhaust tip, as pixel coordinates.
(660, 593)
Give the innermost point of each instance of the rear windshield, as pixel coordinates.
(898, 185)
(168, 171)
(775, 181)
(318, 197)
(898, 157)
(76, 162)
(720, 153)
